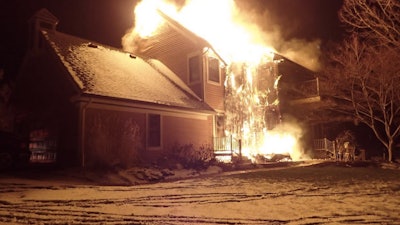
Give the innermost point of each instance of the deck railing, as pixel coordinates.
(325, 148)
(226, 146)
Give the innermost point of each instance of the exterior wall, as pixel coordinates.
(214, 95)
(117, 135)
(181, 131)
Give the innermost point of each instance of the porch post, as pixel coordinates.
(240, 149)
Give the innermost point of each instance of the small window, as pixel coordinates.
(213, 70)
(154, 130)
(194, 69)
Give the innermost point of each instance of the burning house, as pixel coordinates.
(250, 86)
(87, 103)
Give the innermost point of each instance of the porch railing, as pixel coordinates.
(227, 146)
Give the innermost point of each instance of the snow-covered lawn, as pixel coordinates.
(317, 194)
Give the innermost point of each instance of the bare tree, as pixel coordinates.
(375, 19)
(365, 78)
(366, 67)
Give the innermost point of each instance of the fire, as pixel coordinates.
(147, 18)
(282, 140)
(251, 90)
(218, 22)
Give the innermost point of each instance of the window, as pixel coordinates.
(219, 125)
(154, 130)
(213, 69)
(194, 69)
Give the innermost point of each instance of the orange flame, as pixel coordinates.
(218, 22)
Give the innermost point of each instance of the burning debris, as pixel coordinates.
(252, 112)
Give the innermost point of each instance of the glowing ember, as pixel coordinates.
(252, 112)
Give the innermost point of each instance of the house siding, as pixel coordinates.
(214, 95)
(117, 135)
(183, 131)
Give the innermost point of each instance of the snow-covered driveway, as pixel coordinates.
(303, 195)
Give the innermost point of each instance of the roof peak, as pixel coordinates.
(46, 16)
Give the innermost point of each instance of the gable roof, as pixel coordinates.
(104, 71)
(292, 71)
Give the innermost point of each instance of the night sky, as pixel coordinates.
(106, 21)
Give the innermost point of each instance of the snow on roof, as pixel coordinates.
(105, 71)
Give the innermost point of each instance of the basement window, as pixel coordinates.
(154, 130)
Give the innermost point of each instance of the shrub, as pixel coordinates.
(112, 140)
(190, 156)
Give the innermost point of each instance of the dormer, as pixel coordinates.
(42, 20)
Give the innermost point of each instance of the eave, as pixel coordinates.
(96, 101)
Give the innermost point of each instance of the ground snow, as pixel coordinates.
(335, 194)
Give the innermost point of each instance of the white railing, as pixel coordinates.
(226, 146)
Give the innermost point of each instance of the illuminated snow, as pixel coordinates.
(224, 199)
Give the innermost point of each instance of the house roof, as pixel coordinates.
(105, 71)
(292, 71)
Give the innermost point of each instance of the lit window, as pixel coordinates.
(194, 69)
(213, 69)
(154, 130)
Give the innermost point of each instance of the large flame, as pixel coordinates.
(242, 45)
(218, 22)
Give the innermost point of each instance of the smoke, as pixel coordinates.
(130, 41)
(305, 52)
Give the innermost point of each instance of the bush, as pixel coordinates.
(112, 140)
(189, 156)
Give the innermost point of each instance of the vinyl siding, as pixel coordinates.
(186, 131)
